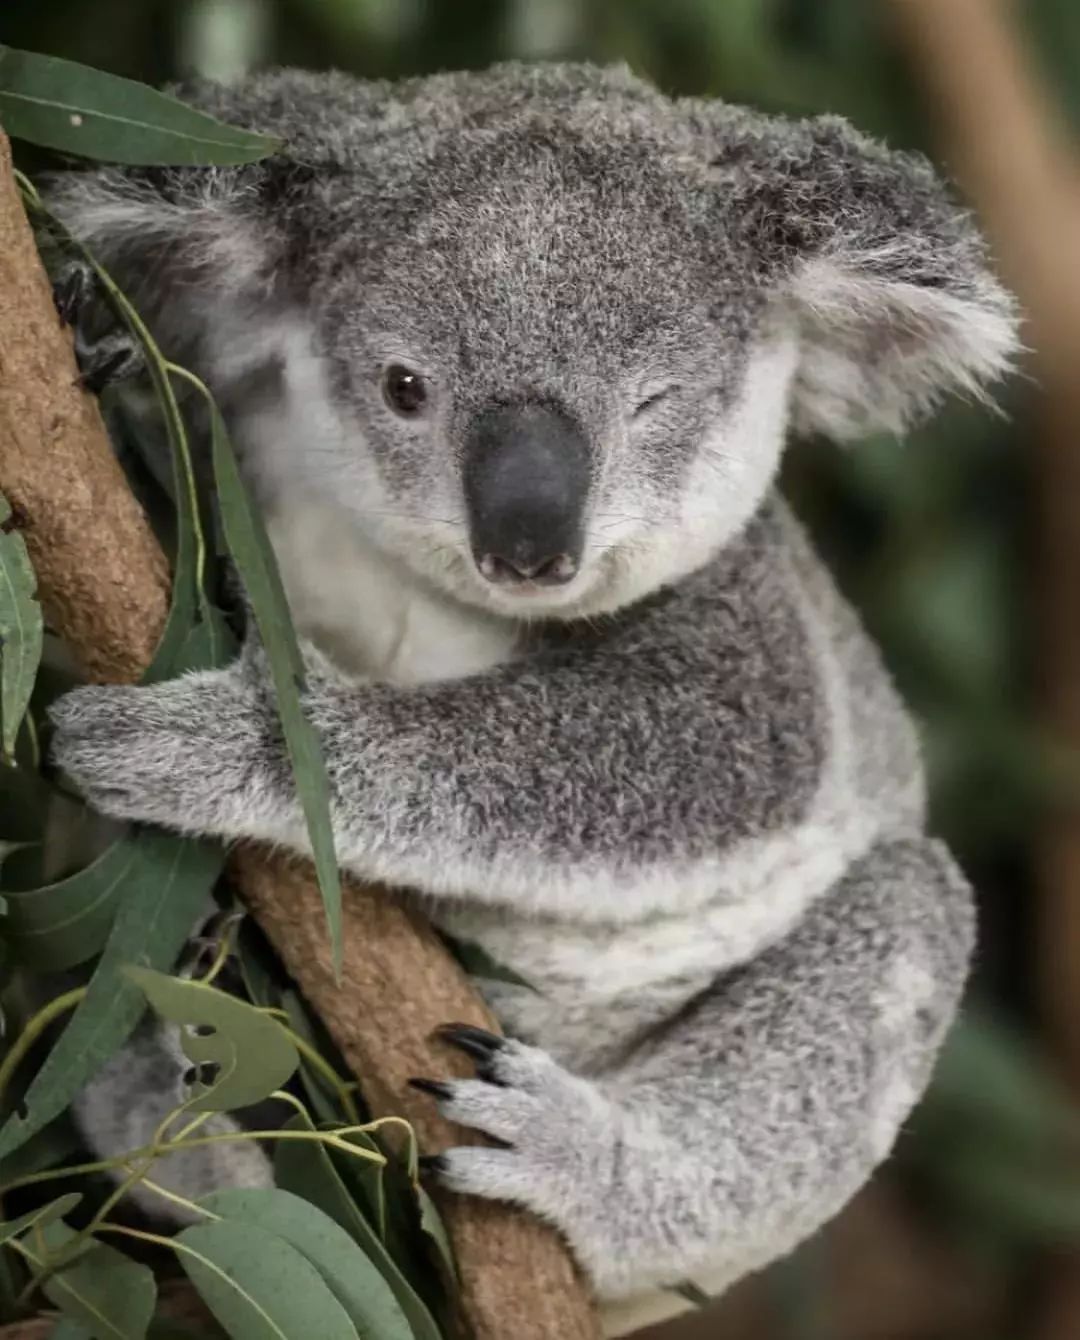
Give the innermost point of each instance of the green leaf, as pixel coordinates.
(152, 922)
(78, 110)
(66, 1329)
(24, 800)
(433, 1228)
(258, 1286)
(21, 631)
(43, 1215)
(304, 1168)
(364, 1178)
(60, 925)
(254, 1055)
(351, 1277)
(322, 1098)
(477, 962)
(48, 1148)
(102, 1289)
(250, 547)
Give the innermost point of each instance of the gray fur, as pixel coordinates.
(678, 794)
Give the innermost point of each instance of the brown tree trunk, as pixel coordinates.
(1007, 147)
(104, 586)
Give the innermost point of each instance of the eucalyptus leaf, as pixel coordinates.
(68, 1329)
(364, 1179)
(254, 1055)
(78, 110)
(477, 962)
(102, 1289)
(153, 920)
(59, 925)
(250, 548)
(24, 800)
(21, 630)
(433, 1228)
(48, 1148)
(44, 1214)
(321, 1096)
(352, 1278)
(258, 1286)
(304, 1168)
(262, 977)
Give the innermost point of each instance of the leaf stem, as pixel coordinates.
(33, 1030)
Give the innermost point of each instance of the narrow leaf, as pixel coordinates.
(152, 922)
(20, 630)
(78, 110)
(351, 1277)
(43, 1215)
(253, 1054)
(434, 1230)
(102, 1289)
(477, 962)
(59, 925)
(304, 1168)
(250, 547)
(258, 1286)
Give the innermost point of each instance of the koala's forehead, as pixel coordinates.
(514, 243)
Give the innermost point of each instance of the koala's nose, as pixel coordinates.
(526, 478)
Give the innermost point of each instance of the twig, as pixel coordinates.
(1006, 144)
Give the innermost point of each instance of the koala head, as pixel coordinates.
(541, 331)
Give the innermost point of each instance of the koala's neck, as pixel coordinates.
(370, 615)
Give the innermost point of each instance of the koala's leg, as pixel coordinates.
(737, 1130)
(119, 1110)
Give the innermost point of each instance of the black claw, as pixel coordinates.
(432, 1163)
(97, 372)
(433, 1086)
(71, 291)
(477, 1042)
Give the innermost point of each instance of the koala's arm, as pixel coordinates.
(749, 1121)
(600, 776)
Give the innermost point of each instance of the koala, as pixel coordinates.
(510, 359)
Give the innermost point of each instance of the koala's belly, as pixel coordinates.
(598, 986)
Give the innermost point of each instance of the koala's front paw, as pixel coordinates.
(559, 1135)
(180, 754)
(104, 356)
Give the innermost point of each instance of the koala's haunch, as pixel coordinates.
(511, 358)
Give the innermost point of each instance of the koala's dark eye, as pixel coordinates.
(405, 391)
(651, 401)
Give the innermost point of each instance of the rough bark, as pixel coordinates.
(104, 585)
(1006, 144)
(102, 576)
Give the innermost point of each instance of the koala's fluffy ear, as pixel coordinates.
(183, 243)
(885, 275)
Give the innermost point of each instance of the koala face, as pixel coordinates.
(553, 389)
(540, 331)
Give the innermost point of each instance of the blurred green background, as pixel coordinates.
(936, 539)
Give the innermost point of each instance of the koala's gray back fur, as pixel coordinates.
(679, 796)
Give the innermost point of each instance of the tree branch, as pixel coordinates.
(104, 583)
(1006, 144)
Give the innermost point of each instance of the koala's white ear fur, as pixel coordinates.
(878, 351)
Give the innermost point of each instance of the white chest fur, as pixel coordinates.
(369, 614)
